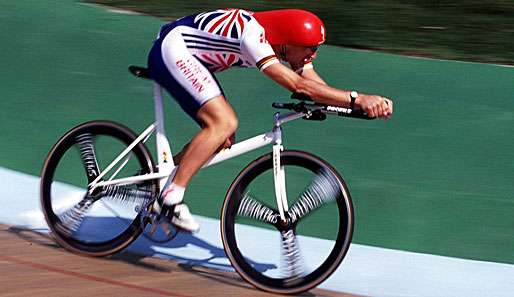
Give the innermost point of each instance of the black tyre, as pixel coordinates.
(108, 219)
(287, 257)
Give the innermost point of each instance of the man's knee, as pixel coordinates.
(224, 126)
(230, 124)
(218, 115)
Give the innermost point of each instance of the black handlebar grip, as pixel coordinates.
(346, 112)
(282, 105)
(301, 96)
(360, 114)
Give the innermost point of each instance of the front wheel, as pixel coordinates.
(295, 255)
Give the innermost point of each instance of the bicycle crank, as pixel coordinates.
(151, 221)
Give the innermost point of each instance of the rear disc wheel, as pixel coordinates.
(108, 219)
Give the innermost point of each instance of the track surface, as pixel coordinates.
(31, 264)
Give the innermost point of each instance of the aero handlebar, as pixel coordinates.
(314, 111)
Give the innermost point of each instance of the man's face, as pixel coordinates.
(297, 54)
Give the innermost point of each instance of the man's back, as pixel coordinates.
(222, 38)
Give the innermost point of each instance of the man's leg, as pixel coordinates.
(219, 122)
(228, 143)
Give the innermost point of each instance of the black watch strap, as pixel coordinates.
(353, 97)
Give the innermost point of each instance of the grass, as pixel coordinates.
(468, 30)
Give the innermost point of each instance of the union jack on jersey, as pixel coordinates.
(228, 23)
(219, 62)
(222, 39)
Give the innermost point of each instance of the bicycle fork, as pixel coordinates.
(278, 172)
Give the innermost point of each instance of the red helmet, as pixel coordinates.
(292, 26)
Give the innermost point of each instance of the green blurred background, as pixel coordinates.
(472, 30)
(437, 178)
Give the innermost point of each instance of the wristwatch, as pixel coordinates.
(353, 97)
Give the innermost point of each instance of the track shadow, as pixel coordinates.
(37, 236)
(96, 228)
(227, 278)
(212, 260)
(43, 238)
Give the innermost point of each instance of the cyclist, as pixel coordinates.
(189, 50)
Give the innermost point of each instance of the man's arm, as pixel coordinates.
(375, 106)
(295, 83)
(309, 73)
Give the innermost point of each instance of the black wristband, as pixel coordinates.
(353, 97)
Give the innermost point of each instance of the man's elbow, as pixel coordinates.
(304, 86)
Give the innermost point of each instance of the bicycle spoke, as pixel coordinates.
(126, 194)
(73, 217)
(252, 208)
(293, 267)
(87, 154)
(324, 188)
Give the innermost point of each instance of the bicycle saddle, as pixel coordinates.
(138, 71)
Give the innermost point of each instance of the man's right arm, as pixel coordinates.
(375, 106)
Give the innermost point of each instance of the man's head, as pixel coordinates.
(300, 30)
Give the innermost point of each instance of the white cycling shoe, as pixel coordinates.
(181, 218)
(177, 215)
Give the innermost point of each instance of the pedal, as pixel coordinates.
(159, 229)
(166, 228)
(153, 228)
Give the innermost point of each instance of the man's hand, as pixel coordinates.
(375, 106)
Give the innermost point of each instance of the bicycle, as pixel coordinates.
(126, 184)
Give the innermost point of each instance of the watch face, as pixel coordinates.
(354, 94)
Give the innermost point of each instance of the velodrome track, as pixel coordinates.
(368, 271)
(432, 187)
(31, 264)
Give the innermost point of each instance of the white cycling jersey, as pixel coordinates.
(222, 39)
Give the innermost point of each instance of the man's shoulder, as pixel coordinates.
(230, 22)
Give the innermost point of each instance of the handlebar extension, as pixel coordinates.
(316, 110)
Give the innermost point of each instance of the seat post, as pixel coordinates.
(165, 156)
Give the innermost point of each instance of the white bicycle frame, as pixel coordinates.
(166, 168)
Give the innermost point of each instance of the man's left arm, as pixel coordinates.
(308, 72)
